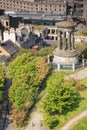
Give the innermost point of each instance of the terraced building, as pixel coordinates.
(34, 5)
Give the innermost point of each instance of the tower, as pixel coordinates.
(65, 55)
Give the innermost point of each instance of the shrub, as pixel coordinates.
(80, 86)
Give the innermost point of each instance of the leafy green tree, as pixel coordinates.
(61, 96)
(27, 76)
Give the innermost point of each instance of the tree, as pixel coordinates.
(61, 96)
(43, 68)
(27, 76)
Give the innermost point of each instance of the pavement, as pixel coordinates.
(74, 120)
(5, 120)
(78, 75)
(36, 123)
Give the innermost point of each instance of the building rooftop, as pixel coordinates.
(59, 16)
(65, 24)
(3, 17)
(9, 47)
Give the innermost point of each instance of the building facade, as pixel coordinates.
(34, 5)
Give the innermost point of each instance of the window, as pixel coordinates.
(53, 31)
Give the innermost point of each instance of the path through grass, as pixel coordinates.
(81, 125)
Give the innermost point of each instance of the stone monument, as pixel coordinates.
(65, 55)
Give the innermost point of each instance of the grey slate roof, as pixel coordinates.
(10, 47)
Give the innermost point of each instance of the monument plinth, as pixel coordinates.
(65, 54)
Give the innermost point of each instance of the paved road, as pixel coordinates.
(5, 120)
(35, 123)
(74, 120)
(3, 110)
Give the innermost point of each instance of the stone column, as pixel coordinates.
(50, 31)
(64, 40)
(58, 66)
(73, 66)
(55, 31)
(59, 39)
(48, 59)
(54, 38)
(83, 61)
(72, 40)
(69, 40)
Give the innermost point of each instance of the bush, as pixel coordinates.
(18, 117)
(80, 86)
(84, 52)
(47, 50)
(81, 47)
(84, 33)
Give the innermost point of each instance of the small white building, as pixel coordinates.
(9, 35)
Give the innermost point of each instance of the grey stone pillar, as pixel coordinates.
(59, 39)
(69, 40)
(64, 40)
(72, 40)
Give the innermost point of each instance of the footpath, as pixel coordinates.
(74, 120)
(78, 75)
(35, 123)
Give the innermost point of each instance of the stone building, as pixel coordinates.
(34, 5)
